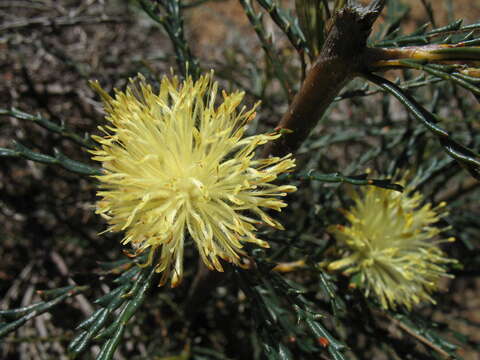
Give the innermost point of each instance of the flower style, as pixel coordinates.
(390, 246)
(176, 164)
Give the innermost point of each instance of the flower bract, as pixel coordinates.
(177, 167)
(391, 246)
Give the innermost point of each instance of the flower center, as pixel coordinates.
(192, 188)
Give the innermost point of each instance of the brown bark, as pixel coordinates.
(340, 60)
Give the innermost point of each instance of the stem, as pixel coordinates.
(169, 15)
(418, 336)
(340, 60)
(377, 59)
(267, 45)
(61, 129)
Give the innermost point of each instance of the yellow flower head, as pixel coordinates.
(176, 164)
(390, 246)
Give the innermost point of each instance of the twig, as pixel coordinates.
(287, 25)
(378, 59)
(340, 60)
(169, 15)
(21, 151)
(22, 315)
(429, 10)
(466, 157)
(417, 336)
(267, 45)
(65, 132)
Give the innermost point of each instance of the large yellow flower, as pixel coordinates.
(391, 246)
(176, 164)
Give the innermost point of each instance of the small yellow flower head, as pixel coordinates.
(176, 164)
(390, 247)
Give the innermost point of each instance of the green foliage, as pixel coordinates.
(11, 320)
(103, 325)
